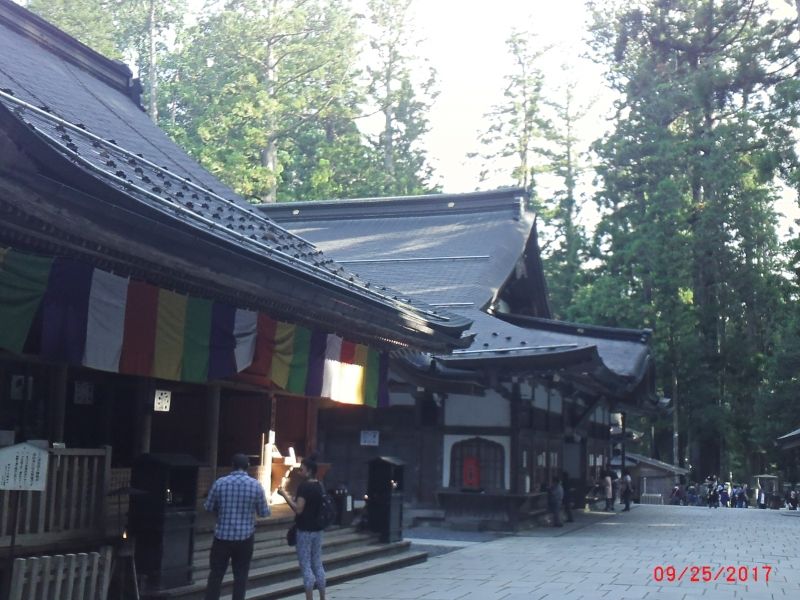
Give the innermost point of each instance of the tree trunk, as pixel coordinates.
(153, 92)
(269, 154)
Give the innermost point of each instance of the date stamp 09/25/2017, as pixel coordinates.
(709, 573)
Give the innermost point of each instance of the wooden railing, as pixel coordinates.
(64, 577)
(72, 506)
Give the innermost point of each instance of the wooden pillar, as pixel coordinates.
(59, 410)
(312, 417)
(144, 400)
(624, 434)
(212, 441)
(516, 447)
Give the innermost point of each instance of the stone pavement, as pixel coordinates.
(612, 557)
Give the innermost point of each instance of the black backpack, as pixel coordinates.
(327, 510)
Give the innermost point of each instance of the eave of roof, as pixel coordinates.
(622, 354)
(790, 440)
(72, 166)
(56, 90)
(639, 458)
(511, 198)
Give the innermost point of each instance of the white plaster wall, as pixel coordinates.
(540, 397)
(555, 402)
(503, 440)
(401, 399)
(491, 410)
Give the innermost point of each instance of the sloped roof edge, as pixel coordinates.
(409, 316)
(642, 336)
(31, 25)
(397, 206)
(650, 461)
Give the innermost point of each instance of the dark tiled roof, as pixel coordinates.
(444, 248)
(627, 358)
(632, 457)
(87, 114)
(457, 250)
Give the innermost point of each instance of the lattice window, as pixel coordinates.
(490, 457)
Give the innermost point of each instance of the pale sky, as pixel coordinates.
(465, 41)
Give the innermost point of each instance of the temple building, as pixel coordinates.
(530, 398)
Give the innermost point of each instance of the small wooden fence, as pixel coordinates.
(651, 499)
(72, 506)
(62, 577)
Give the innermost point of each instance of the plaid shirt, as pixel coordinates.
(236, 498)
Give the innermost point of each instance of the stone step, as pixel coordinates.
(264, 556)
(263, 539)
(288, 570)
(273, 527)
(338, 575)
(422, 516)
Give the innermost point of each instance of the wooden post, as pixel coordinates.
(104, 488)
(312, 416)
(59, 410)
(212, 430)
(145, 399)
(516, 446)
(12, 547)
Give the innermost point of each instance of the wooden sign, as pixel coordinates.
(23, 467)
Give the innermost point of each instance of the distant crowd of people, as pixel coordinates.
(714, 493)
(611, 485)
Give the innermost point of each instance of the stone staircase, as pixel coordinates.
(274, 573)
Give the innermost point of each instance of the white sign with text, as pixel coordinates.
(370, 438)
(23, 467)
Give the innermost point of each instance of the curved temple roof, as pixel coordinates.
(78, 113)
(458, 250)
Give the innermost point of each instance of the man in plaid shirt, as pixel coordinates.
(236, 499)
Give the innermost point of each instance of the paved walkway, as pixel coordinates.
(612, 557)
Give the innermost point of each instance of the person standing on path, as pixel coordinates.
(235, 499)
(306, 506)
(567, 496)
(608, 485)
(555, 498)
(627, 490)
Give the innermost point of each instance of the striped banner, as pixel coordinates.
(65, 312)
(170, 333)
(23, 282)
(85, 316)
(139, 336)
(196, 340)
(105, 327)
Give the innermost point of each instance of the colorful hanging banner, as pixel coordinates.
(65, 312)
(170, 333)
(197, 335)
(105, 327)
(81, 315)
(23, 282)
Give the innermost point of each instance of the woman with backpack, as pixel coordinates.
(308, 508)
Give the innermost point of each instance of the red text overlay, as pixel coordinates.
(708, 573)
